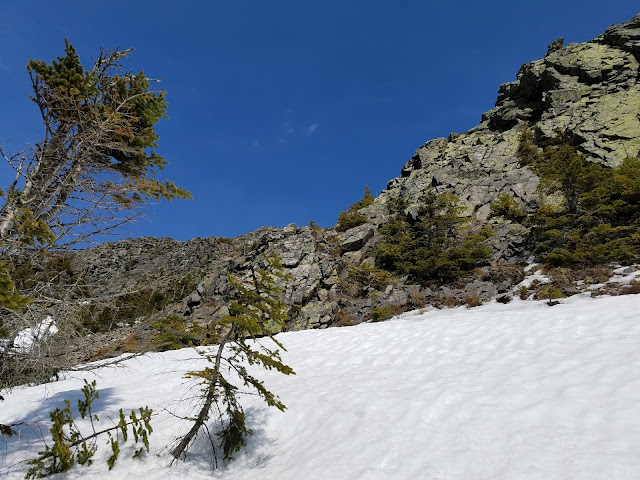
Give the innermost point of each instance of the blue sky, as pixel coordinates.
(282, 111)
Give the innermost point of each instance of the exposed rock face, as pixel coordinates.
(112, 266)
(590, 91)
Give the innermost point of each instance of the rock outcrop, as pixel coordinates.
(589, 91)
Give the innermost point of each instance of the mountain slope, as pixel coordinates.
(587, 92)
(521, 391)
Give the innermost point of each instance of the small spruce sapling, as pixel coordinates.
(251, 320)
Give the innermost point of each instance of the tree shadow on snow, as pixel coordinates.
(252, 453)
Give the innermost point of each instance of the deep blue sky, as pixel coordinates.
(282, 111)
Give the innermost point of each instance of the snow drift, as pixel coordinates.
(522, 390)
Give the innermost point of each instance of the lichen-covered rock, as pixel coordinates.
(355, 238)
(590, 91)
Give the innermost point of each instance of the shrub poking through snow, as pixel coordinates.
(71, 445)
(378, 314)
(549, 292)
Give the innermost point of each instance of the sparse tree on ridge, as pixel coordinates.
(93, 171)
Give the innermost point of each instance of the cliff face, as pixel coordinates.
(589, 91)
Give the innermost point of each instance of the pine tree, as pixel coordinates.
(98, 149)
(434, 246)
(93, 170)
(251, 320)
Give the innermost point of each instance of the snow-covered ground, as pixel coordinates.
(515, 391)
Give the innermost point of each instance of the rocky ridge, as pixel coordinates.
(589, 91)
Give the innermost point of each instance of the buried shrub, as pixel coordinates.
(257, 309)
(71, 445)
(549, 292)
(385, 312)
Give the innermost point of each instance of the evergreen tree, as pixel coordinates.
(92, 171)
(250, 321)
(97, 157)
(433, 246)
(597, 219)
(352, 217)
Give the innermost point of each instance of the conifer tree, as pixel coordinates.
(434, 246)
(97, 156)
(241, 343)
(92, 171)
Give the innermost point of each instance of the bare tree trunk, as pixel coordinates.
(179, 451)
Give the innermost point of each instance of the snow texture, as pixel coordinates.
(516, 391)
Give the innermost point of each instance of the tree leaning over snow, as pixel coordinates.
(250, 322)
(93, 170)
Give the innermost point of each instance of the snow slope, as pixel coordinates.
(516, 391)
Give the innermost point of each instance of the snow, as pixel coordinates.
(515, 391)
(26, 338)
(532, 277)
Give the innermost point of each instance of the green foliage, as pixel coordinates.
(9, 296)
(174, 332)
(367, 199)
(93, 168)
(224, 240)
(597, 217)
(252, 317)
(523, 292)
(122, 101)
(435, 246)
(53, 269)
(352, 217)
(315, 227)
(378, 314)
(366, 278)
(70, 444)
(31, 231)
(115, 451)
(259, 306)
(6, 430)
(527, 152)
(549, 292)
(506, 206)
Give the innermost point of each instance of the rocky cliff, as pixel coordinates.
(589, 92)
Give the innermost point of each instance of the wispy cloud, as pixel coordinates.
(291, 132)
(311, 129)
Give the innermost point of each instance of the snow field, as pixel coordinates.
(516, 391)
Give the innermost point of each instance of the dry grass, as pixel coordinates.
(344, 319)
(472, 301)
(416, 299)
(130, 343)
